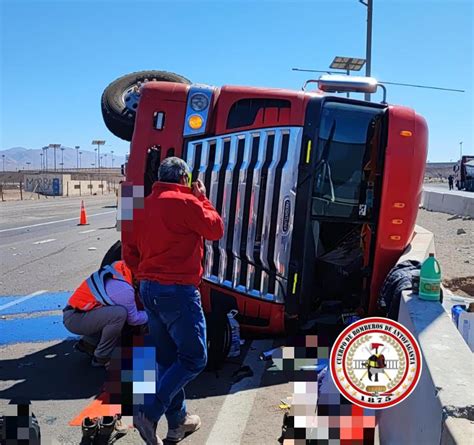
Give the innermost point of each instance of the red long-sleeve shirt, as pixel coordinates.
(167, 245)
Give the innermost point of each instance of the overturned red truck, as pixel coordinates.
(319, 193)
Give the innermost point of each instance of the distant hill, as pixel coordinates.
(16, 158)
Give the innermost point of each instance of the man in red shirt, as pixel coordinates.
(166, 256)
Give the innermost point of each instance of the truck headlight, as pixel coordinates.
(199, 102)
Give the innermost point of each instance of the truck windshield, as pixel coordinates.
(343, 151)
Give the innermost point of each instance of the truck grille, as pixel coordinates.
(251, 180)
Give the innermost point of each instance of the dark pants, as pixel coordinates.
(178, 331)
(100, 327)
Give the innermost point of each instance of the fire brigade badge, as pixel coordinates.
(376, 363)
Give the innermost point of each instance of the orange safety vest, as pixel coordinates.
(91, 293)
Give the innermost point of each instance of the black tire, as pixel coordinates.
(117, 117)
(112, 255)
(219, 336)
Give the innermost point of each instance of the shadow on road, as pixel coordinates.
(61, 373)
(55, 373)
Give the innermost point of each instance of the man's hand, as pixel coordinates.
(198, 189)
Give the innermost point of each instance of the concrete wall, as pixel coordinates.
(448, 203)
(44, 183)
(81, 188)
(441, 408)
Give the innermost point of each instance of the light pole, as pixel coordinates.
(77, 156)
(347, 64)
(41, 158)
(460, 150)
(46, 160)
(105, 160)
(54, 147)
(98, 143)
(62, 158)
(369, 4)
(27, 165)
(112, 153)
(80, 159)
(3, 160)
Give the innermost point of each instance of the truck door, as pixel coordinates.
(343, 205)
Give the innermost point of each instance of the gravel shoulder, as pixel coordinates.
(454, 241)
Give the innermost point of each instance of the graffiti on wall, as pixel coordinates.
(47, 185)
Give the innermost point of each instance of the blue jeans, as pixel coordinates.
(178, 332)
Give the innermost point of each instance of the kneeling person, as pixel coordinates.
(99, 309)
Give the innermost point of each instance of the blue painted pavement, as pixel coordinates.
(43, 302)
(39, 327)
(22, 330)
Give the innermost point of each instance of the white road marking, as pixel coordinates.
(53, 222)
(235, 411)
(20, 300)
(88, 231)
(45, 241)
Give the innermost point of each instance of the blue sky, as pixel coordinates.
(57, 57)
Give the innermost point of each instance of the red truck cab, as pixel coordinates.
(318, 193)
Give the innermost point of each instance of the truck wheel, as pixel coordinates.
(120, 99)
(219, 337)
(112, 255)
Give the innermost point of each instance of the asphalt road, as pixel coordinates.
(43, 248)
(44, 255)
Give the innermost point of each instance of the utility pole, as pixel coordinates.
(369, 4)
(460, 150)
(77, 156)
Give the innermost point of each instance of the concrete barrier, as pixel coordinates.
(448, 203)
(441, 408)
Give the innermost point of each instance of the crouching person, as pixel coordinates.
(100, 308)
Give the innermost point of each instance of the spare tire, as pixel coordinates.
(119, 116)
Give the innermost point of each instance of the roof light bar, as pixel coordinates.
(343, 84)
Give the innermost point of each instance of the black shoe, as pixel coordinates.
(84, 347)
(98, 362)
(90, 428)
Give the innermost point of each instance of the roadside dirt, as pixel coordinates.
(454, 241)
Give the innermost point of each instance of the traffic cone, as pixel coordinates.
(83, 217)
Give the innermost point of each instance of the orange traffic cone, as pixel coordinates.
(83, 217)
